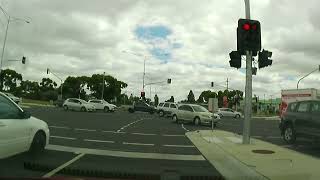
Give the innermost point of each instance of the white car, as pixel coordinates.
(77, 105)
(14, 98)
(19, 131)
(103, 105)
(166, 109)
(195, 114)
(226, 112)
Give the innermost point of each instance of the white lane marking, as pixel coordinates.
(144, 134)
(62, 137)
(138, 144)
(234, 139)
(95, 140)
(176, 145)
(79, 129)
(177, 135)
(120, 132)
(129, 125)
(59, 127)
(140, 155)
(184, 128)
(213, 139)
(51, 173)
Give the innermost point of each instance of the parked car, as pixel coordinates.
(195, 114)
(142, 107)
(226, 112)
(167, 108)
(78, 105)
(159, 106)
(19, 131)
(301, 119)
(103, 105)
(58, 102)
(13, 97)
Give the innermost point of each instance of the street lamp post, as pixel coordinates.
(58, 78)
(318, 69)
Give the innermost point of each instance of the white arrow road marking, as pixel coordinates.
(129, 125)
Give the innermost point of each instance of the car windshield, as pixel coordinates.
(126, 89)
(199, 109)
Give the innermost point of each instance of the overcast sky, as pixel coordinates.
(185, 40)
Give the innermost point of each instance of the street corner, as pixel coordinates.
(259, 159)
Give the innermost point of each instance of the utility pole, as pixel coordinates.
(102, 85)
(248, 88)
(144, 72)
(227, 84)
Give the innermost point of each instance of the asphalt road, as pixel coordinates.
(109, 143)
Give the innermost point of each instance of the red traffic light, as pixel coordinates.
(246, 27)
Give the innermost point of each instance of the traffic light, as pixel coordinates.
(143, 94)
(235, 59)
(23, 60)
(47, 70)
(263, 60)
(212, 84)
(254, 71)
(248, 36)
(169, 81)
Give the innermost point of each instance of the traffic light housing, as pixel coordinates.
(263, 59)
(212, 84)
(23, 60)
(235, 61)
(47, 70)
(169, 81)
(143, 94)
(248, 36)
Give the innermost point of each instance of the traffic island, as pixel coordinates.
(257, 160)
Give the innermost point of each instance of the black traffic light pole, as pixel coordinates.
(248, 89)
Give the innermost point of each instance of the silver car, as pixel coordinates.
(195, 114)
(226, 112)
(77, 105)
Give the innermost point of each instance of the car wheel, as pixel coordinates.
(197, 121)
(289, 134)
(175, 119)
(161, 113)
(83, 109)
(106, 109)
(65, 107)
(131, 110)
(38, 143)
(237, 116)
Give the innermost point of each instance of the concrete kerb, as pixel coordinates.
(237, 161)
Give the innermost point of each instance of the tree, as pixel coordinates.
(47, 84)
(191, 98)
(9, 80)
(30, 89)
(171, 99)
(75, 86)
(205, 95)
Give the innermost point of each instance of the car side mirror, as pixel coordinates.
(25, 114)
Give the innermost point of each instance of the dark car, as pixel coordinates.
(301, 119)
(58, 102)
(142, 107)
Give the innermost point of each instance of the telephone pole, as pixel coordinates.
(227, 84)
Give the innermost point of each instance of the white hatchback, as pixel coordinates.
(78, 105)
(19, 131)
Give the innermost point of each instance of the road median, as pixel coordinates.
(258, 160)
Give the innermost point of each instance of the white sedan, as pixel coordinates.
(226, 112)
(19, 131)
(103, 105)
(77, 105)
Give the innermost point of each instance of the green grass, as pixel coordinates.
(35, 101)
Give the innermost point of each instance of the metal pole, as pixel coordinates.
(150, 94)
(61, 89)
(3, 47)
(306, 76)
(144, 72)
(102, 86)
(227, 84)
(248, 89)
